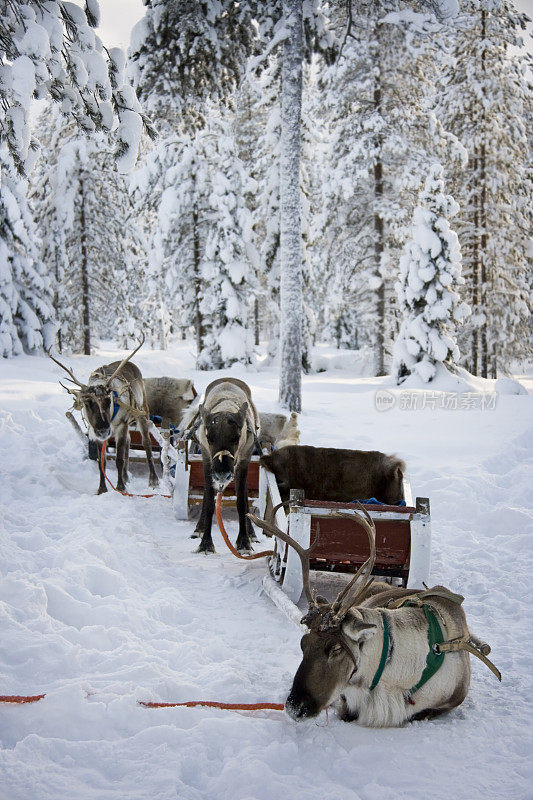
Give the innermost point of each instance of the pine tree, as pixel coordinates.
(26, 314)
(484, 100)
(382, 140)
(430, 273)
(88, 250)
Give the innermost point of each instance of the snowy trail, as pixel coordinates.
(103, 602)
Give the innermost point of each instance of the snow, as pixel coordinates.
(104, 603)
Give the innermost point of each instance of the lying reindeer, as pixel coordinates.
(328, 473)
(278, 431)
(378, 654)
(169, 398)
(226, 427)
(114, 400)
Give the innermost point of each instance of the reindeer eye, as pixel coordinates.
(335, 650)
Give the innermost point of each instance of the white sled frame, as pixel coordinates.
(285, 567)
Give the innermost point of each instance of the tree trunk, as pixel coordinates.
(84, 276)
(475, 276)
(483, 218)
(198, 322)
(290, 388)
(378, 242)
(256, 321)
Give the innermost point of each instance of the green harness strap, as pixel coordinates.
(433, 660)
(384, 653)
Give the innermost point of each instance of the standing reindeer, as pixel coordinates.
(378, 654)
(227, 434)
(113, 400)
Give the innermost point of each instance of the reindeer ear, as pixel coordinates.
(241, 413)
(357, 630)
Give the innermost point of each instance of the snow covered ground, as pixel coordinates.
(103, 602)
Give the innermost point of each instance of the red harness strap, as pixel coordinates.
(226, 537)
(17, 698)
(217, 704)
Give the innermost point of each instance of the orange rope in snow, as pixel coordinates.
(217, 704)
(126, 494)
(17, 698)
(226, 537)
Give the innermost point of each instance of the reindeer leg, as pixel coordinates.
(103, 486)
(153, 480)
(121, 438)
(127, 457)
(243, 539)
(208, 508)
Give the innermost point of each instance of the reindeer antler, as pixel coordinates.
(338, 607)
(271, 529)
(125, 360)
(72, 376)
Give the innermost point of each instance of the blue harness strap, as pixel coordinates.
(116, 405)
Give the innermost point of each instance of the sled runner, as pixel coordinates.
(403, 537)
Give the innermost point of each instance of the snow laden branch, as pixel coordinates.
(49, 49)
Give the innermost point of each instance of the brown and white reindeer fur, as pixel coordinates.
(227, 435)
(345, 643)
(169, 398)
(119, 381)
(278, 431)
(330, 676)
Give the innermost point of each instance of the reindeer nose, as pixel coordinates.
(102, 433)
(300, 709)
(221, 480)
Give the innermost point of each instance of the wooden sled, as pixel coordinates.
(403, 537)
(189, 482)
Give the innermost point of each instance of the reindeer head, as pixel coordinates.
(96, 400)
(337, 630)
(225, 432)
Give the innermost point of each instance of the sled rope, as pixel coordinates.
(226, 537)
(126, 494)
(217, 704)
(18, 698)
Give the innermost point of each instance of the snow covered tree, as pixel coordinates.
(203, 239)
(26, 314)
(183, 54)
(88, 237)
(484, 100)
(382, 138)
(430, 273)
(50, 50)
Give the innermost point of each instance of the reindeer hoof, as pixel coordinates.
(244, 547)
(101, 490)
(120, 487)
(153, 483)
(206, 548)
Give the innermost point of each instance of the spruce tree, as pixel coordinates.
(484, 99)
(26, 314)
(430, 273)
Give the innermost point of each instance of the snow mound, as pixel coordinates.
(509, 386)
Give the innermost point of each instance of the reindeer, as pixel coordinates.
(225, 425)
(112, 401)
(378, 654)
(329, 473)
